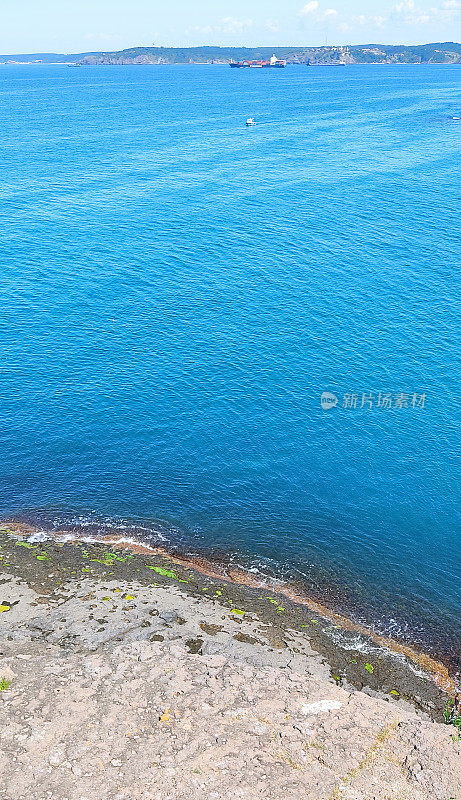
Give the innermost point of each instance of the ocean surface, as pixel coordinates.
(178, 291)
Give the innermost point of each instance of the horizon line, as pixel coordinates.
(228, 47)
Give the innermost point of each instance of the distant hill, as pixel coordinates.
(436, 53)
(45, 58)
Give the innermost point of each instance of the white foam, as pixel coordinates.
(39, 536)
(43, 536)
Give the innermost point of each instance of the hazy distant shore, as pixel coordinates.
(434, 53)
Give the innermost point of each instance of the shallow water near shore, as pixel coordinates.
(180, 291)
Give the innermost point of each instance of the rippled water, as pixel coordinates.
(178, 291)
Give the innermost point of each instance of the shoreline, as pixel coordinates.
(226, 64)
(433, 647)
(125, 675)
(339, 638)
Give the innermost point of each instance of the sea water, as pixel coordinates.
(180, 291)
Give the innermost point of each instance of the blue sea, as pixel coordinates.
(179, 291)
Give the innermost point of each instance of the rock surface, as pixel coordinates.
(131, 692)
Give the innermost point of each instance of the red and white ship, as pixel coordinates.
(272, 62)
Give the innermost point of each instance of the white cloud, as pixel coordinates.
(316, 13)
(206, 29)
(226, 25)
(407, 12)
(313, 9)
(375, 21)
(448, 10)
(272, 25)
(232, 25)
(412, 14)
(309, 8)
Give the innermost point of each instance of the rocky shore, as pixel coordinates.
(128, 676)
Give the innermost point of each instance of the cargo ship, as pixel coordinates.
(272, 62)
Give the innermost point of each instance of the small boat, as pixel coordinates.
(250, 121)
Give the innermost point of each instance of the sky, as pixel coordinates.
(72, 26)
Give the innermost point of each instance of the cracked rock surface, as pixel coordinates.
(133, 693)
